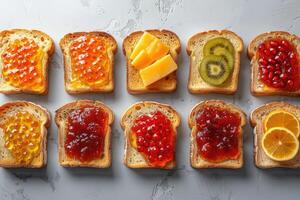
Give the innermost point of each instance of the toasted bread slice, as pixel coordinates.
(47, 48)
(132, 158)
(135, 84)
(112, 48)
(195, 159)
(61, 119)
(195, 50)
(256, 119)
(8, 110)
(257, 87)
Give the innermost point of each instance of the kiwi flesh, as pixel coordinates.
(226, 55)
(214, 70)
(217, 43)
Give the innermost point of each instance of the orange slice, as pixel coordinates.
(284, 119)
(280, 144)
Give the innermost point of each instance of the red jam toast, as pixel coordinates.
(275, 66)
(150, 135)
(23, 128)
(84, 134)
(88, 61)
(24, 60)
(217, 135)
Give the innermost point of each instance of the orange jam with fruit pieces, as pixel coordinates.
(22, 136)
(90, 61)
(22, 61)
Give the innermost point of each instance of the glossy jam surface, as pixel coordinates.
(217, 134)
(86, 131)
(22, 135)
(22, 64)
(90, 61)
(155, 138)
(279, 65)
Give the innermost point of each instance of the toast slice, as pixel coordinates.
(61, 120)
(257, 87)
(256, 119)
(111, 50)
(9, 110)
(45, 50)
(195, 51)
(195, 159)
(132, 158)
(135, 84)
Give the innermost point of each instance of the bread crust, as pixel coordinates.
(49, 53)
(261, 160)
(159, 86)
(68, 38)
(256, 86)
(192, 46)
(126, 127)
(41, 160)
(202, 164)
(60, 121)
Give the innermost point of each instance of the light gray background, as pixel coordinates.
(57, 17)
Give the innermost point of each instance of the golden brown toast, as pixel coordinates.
(112, 48)
(61, 121)
(195, 159)
(134, 82)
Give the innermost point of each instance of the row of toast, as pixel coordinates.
(151, 57)
(150, 132)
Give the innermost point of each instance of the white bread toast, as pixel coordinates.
(256, 119)
(112, 48)
(10, 109)
(195, 160)
(195, 51)
(44, 41)
(132, 158)
(257, 87)
(135, 84)
(61, 121)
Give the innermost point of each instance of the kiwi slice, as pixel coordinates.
(214, 70)
(226, 55)
(216, 44)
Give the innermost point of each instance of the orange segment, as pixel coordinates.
(142, 60)
(280, 144)
(282, 118)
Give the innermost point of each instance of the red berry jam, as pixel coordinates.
(278, 65)
(217, 134)
(86, 133)
(155, 138)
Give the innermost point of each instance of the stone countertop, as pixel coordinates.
(58, 17)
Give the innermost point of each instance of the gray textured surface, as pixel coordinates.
(57, 17)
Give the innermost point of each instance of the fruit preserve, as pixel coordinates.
(86, 132)
(279, 65)
(153, 135)
(22, 60)
(90, 61)
(22, 136)
(217, 134)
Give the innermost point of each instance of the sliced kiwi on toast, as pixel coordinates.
(216, 44)
(226, 55)
(214, 70)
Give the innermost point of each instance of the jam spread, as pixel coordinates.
(153, 136)
(217, 134)
(22, 64)
(279, 65)
(90, 61)
(86, 132)
(22, 136)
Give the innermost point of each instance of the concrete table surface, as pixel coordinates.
(58, 17)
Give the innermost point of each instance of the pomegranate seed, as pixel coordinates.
(273, 51)
(273, 43)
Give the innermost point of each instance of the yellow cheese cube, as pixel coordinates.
(158, 70)
(143, 42)
(142, 60)
(157, 50)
